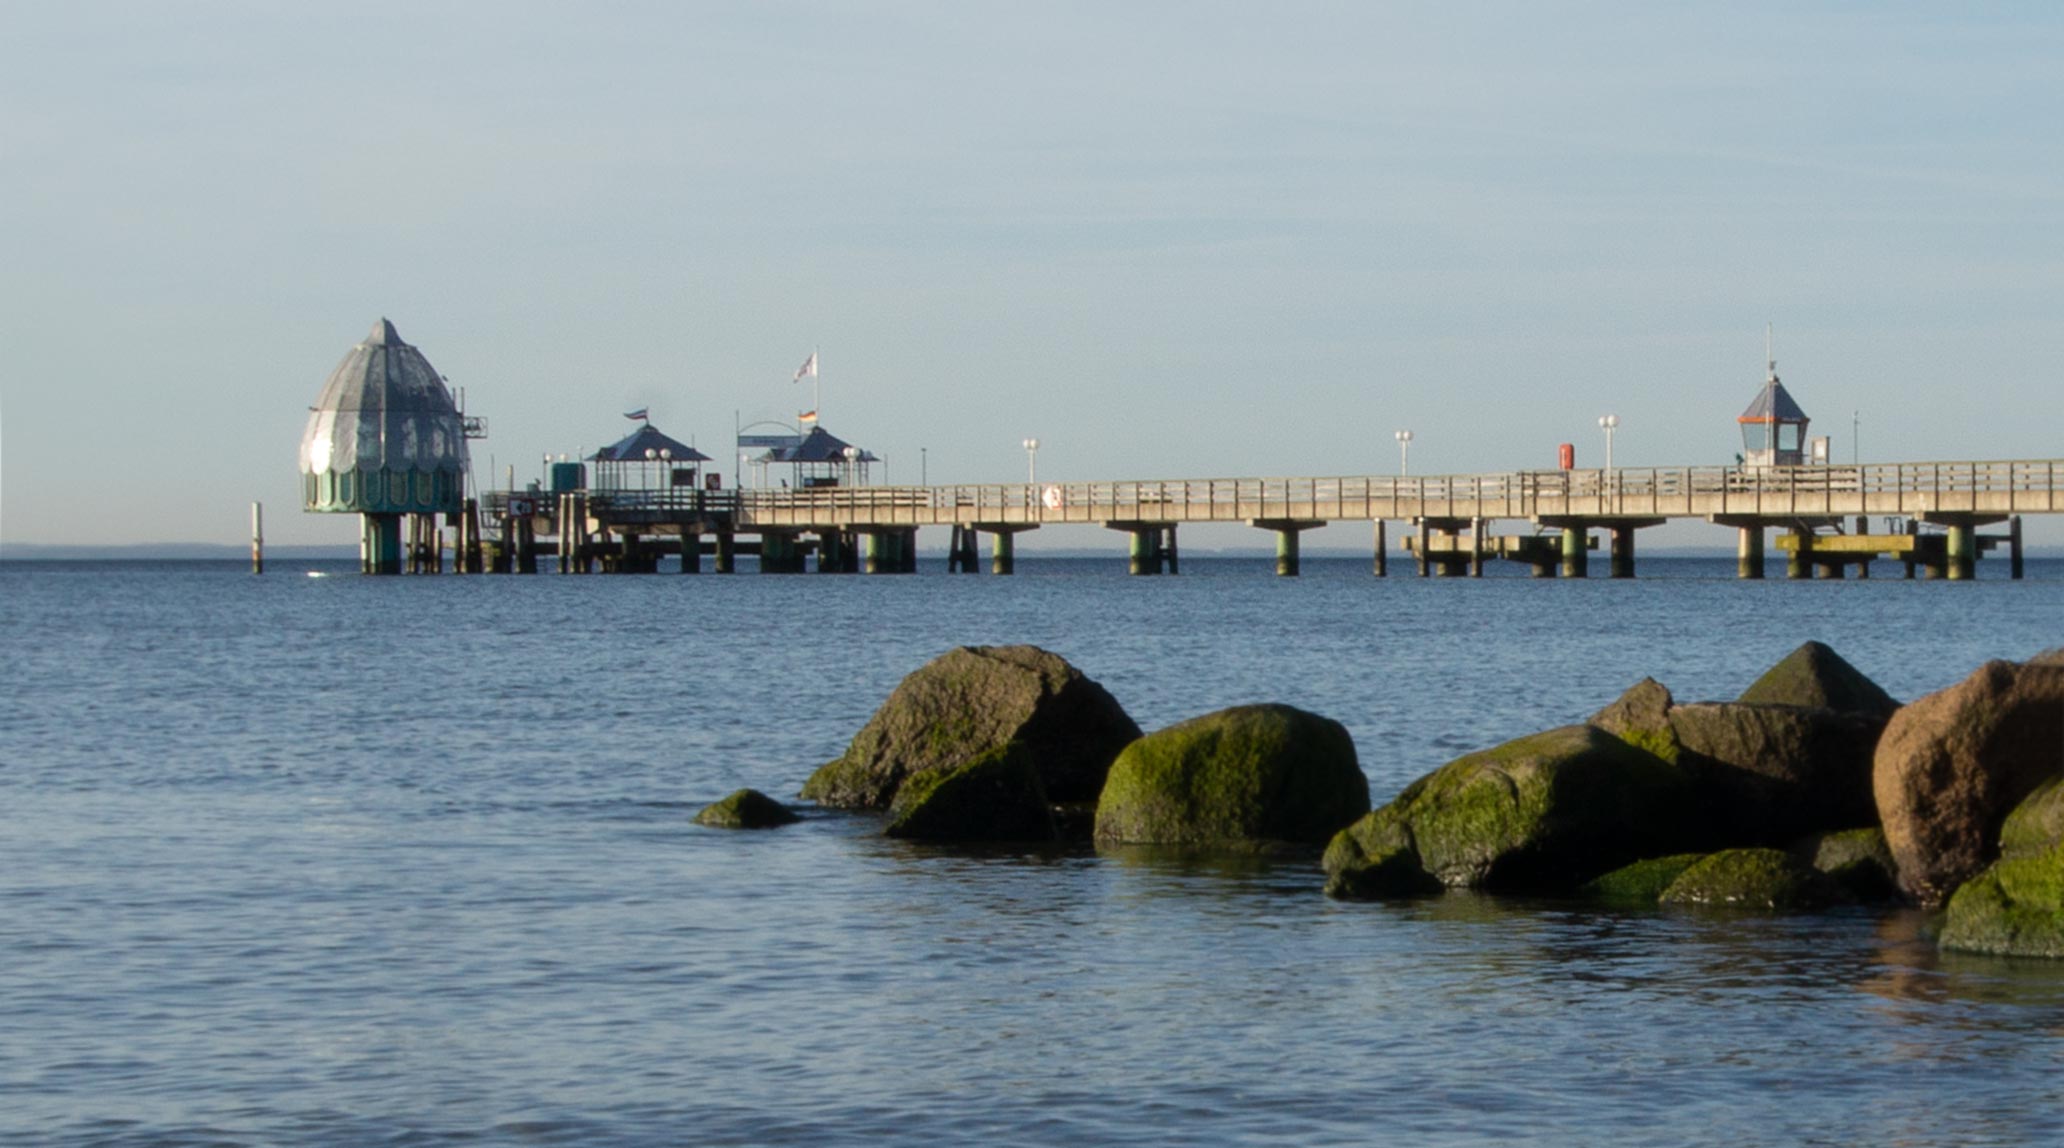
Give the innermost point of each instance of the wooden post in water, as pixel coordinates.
(1382, 566)
(1425, 539)
(1963, 552)
(1621, 559)
(1799, 563)
(1576, 558)
(2014, 548)
(258, 540)
(1476, 541)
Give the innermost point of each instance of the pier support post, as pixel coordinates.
(1476, 541)
(1622, 556)
(1287, 531)
(777, 552)
(1963, 551)
(1799, 563)
(1286, 552)
(379, 544)
(1576, 555)
(831, 552)
(1748, 553)
(727, 552)
(1003, 557)
(1171, 558)
(1382, 565)
(1141, 558)
(2014, 548)
(1907, 559)
(1425, 545)
(258, 539)
(691, 551)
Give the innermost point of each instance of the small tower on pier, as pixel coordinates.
(384, 441)
(1773, 428)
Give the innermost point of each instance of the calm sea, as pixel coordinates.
(408, 861)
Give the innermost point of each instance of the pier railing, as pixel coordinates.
(2005, 487)
(1890, 489)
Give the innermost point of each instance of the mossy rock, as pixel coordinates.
(1817, 677)
(2015, 908)
(746, 809)
(2037, 823)
(1641, 718)
(1241, 776)
(996, 797)
(1545, 812)
(1751, 879)
(1387, 875)
(969, 701)
(1766, 772)
(1858, 860)
(1643, 882)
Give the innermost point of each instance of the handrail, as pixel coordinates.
(2026, 486)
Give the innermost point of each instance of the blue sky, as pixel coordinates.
(1168, 240)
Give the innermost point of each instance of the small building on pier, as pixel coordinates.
(648, 460)
(1774, 427)
(816, 459)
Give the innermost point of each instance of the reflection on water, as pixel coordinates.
(350, 861)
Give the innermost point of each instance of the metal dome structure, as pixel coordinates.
(384, 440)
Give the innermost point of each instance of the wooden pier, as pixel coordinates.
(1931, 514)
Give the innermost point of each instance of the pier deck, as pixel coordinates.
(1452, 512)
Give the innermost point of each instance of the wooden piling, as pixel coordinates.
(258, 539)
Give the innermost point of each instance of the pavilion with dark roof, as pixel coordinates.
(646, 459)
(820, 458)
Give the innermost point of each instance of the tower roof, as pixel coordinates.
(819, 445)
(1773, 405)
(384, 408)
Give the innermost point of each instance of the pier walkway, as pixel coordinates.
(1931, 514)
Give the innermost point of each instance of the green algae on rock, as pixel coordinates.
(1856, 859)
(1751, 879)
(969, 701)
(1543, 812)
(2015, 908)
(996, 797)
(746, 809)
(1237, 777)
(1642, 882)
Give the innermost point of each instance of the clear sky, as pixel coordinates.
(1170, 240)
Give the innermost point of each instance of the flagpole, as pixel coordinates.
(816, 386)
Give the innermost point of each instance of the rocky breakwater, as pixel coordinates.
(1679, 791)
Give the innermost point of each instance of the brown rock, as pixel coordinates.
(1951, 765)
(971, 701)
(1814, 675)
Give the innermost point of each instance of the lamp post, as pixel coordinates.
(1608, 423)
(1032, 462)
(924, 466)
(851, 453)
(1404, 456)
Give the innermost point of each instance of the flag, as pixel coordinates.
(807, 417)
(808, 370)
(640, 413)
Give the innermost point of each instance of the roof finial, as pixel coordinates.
(1768, 353)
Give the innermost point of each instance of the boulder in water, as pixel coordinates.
(970, 701)
(996, 797)
(746, 809)
(1238, 777)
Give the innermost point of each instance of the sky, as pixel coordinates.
(1168, 240)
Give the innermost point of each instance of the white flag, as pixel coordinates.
(808, 370)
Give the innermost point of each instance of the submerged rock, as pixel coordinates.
(1819, 678)
(970, 701)
(1240, 776)
(996, 797)
(1951, 766)
(1643, 882)
(1543, 812)
(746, 809)
(1856, 859)
(1751, 879)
